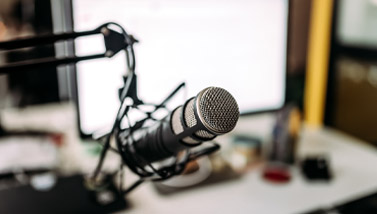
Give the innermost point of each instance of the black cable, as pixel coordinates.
(108, 138)
(133, 186)
(127, 88)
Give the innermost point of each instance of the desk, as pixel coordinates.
(353, 163)
(354, 169)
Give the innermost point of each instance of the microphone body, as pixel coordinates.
(159, 142)
(212, 112)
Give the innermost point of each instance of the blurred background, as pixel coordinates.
(304, 74)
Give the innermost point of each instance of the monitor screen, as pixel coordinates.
(238, 45)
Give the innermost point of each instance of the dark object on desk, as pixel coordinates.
(316, 168)
(2, 131)
(364, 205)
(69, 195)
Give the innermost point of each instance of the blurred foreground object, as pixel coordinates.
(245, 152)
(19, 153)
(52, 119)
(41, 159)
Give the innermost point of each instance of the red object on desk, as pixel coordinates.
(277, 174)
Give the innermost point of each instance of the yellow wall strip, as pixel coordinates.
(318, 58)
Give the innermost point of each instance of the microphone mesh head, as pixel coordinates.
(177, 126)
(176, 121)
(218, 110)
(190, 120)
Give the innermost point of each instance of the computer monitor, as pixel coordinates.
(239, 45)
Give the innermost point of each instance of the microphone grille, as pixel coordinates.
(190, 120)
(218, 110)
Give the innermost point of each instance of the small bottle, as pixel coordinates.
(284, 143)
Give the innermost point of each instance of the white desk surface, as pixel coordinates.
(352, 161)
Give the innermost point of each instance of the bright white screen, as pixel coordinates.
(239, 45)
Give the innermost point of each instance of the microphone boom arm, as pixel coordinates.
(114, 43)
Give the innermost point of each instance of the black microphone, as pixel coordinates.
(214, 111)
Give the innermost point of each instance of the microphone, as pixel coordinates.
(214, 111)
